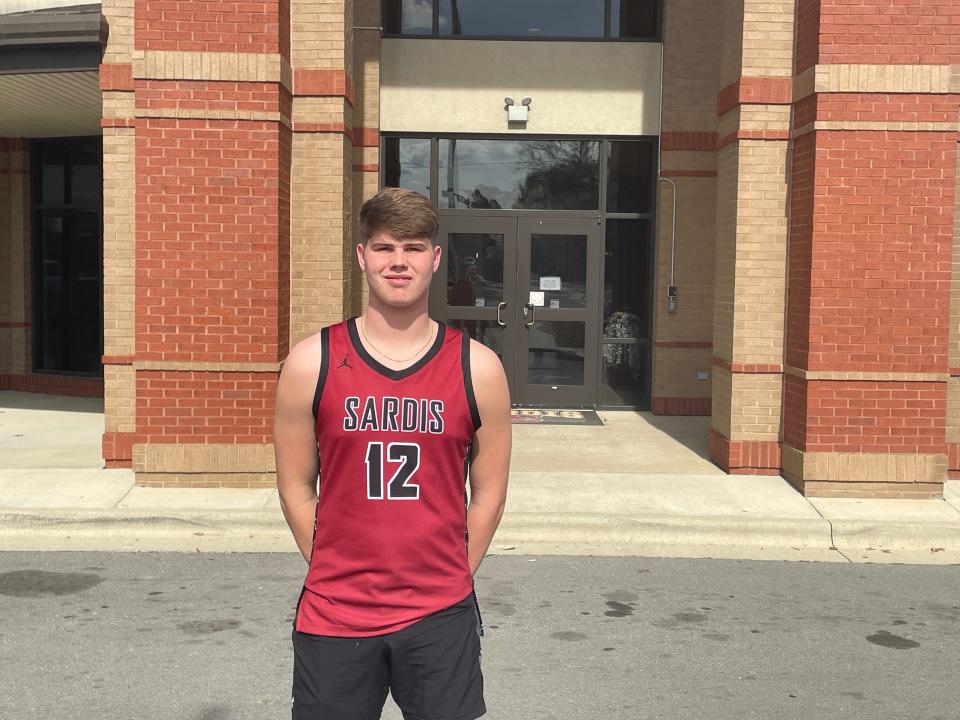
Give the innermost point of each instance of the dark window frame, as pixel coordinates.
(37, 211)
(435, 32)
(601, 214)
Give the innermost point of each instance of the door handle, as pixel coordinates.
(533, 314)
(500, 307)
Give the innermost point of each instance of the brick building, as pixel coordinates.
(732, 208)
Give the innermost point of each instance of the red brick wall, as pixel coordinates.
(891, 32)
(801, 248)
(876, 417)
(208, 248)
(188, 407)
(204, 95)
(246, 26)
(894, 32)
(881, 255)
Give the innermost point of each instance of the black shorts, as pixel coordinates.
(432, 669)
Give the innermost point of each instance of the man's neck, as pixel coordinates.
(396, 326)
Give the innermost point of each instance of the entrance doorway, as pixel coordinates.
(527, 286)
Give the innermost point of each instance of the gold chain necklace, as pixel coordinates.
(381, 352)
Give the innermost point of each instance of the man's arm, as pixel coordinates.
(491, 451)
(295, 443)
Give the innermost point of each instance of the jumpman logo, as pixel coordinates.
(345, 362)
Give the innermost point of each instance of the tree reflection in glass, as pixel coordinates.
(519, 174)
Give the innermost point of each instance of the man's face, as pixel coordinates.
(398, 271)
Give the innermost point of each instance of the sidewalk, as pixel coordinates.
(572, 491)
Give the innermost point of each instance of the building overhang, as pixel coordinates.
(49, 61)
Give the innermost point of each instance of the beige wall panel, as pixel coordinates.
(953, 409)
(755, 406)
(731, 33)
(119, 259)
(768, 38)
(689, 160)
(694, 271)
(675, 372)
(459, 86)
(320, 33)
(366, 62)
(15, 346)
(905, 469)
(119, 16)
(721, 393)
(691, 66)
(119, 398)
(213, 458)
(760, 252)
(317, 232)
(322, 110)
(728, 168)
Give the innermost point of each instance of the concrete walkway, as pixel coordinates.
(573, 490)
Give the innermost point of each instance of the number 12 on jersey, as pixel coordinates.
(398, 488)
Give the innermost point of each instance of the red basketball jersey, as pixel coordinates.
(390, 540)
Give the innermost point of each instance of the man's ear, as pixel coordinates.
(360, 256)
(437, 251)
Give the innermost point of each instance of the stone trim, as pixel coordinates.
(191, 366)
(237, 67)
(207, 480)
(747, 368)
(231, 114)
(209, 458)
(934, 79)
(866, 126)
(776, 135)
(901, 468)
(854, 375)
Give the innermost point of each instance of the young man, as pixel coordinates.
(391, 409)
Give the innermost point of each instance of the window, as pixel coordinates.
(526, 19)
(519, 174)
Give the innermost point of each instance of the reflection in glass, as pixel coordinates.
(633, 19)
(406, 164)
(630, 176)
(487, 332)
(529, 18)
(519, 174)
(408, 17)
(555, 353)
(623, 373)
(626, 297)
(474, 269)
(53, 184)
(85, 181)
(558, 268)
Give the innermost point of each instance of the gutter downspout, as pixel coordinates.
(671, 286)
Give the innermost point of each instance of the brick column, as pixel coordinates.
(210, 82)
(872, 205)
(15, 264)
(754, 110)
(321, 237)
(688, 144)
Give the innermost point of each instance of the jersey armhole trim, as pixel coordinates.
(324, 366)
(468, 380)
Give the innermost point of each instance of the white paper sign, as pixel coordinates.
(536, 299)
(549, 282)
(480, 302)
(555, 304)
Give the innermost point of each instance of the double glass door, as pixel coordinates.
(526, 286)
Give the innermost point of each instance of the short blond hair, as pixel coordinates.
(403, 213)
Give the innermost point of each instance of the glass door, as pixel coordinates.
(475, 288)
(558, 270)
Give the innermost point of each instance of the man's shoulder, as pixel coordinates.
(305, 356)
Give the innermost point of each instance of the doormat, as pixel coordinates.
(536, 416)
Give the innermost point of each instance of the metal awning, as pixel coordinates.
(49, 61)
